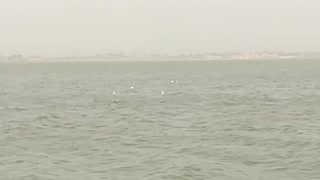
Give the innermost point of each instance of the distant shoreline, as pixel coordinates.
(155, 60)
(158, 57)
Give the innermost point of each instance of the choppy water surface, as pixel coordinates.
(221, 120)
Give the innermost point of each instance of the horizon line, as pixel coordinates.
(156, 53)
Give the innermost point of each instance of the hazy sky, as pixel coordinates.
(79, 27)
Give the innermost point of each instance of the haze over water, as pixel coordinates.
(221, 120)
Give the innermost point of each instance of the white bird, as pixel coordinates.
(162, 93)
(131, 87)
(114, 93)
(172, 81)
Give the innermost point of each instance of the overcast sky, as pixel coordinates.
(80, 27)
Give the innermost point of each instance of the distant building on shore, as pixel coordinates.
(15, 57)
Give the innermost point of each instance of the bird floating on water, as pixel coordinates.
(174, 81)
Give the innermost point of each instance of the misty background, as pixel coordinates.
(82, 27)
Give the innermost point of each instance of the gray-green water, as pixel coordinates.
(256, 120)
